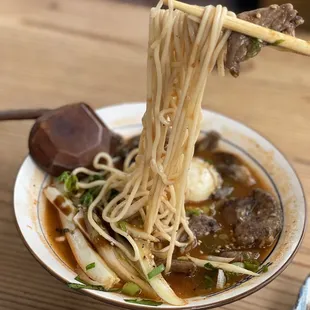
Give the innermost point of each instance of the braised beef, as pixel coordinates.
(229, 165)
(202, 225)
(180, 266)
(209, 142)
(256, 220)
(283, 18)
(240, 256)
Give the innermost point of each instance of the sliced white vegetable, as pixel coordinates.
(239, 264)
(225, 266)
(85, 255)
(62, 203)
(118, 264)
(221, 279)
(80, 223)
(82, 251)
(202, 180)
(83, 276)
(158, 282)
(124, 270)
(218, 259)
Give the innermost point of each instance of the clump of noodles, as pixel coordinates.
(182, 52)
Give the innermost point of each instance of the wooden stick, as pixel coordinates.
(21, 114)
(265, 34)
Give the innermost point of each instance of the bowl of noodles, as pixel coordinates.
(191, 209)
(220, 275)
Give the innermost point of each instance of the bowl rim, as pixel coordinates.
(218, 303)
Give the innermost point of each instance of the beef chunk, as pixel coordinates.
(202, 225)
(181, 266)
(230, 166)
(283, 18)
(209, 142)
(240, 256)
(256, 220)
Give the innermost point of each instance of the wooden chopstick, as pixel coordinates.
(265, 34)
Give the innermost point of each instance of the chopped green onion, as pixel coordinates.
(254, 48)
(71, 183)
(77, 278)
(252, 265)
(131, 289)
(96, 177)
(146, 302)
(77, 286)
(123, 225)
(90, 266)
(278, 42)
(230, 276)
(90, 286)
(63, 177)
(193, 211)
(209, 266)
(95, 191)
(156, 271)
(209, 282)
(113, 194)
(87, 199)
(264, 268)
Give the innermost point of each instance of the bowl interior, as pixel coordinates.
(29, 204)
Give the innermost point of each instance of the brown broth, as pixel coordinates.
(51, 222)
(184, 286)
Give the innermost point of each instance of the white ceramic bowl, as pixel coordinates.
(257, 151)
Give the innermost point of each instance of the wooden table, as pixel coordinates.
(55, 52)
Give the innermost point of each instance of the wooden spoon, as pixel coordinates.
(66, 138)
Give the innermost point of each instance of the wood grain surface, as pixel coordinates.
(55, 52)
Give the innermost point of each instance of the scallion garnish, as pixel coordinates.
(156, 271)
(96, 177)
(209, 282)
(113, 194)
(90, 266)
(69, 180)
(63, 177)
(264, 268)
(86, 199)
(252, 265)
(146, 302)
(77, 286)
(123, 225)
(131, 289)
(209, 266)
(71, 183)
(85, 285)
(193, 211)
(278, 42)
(77, 278)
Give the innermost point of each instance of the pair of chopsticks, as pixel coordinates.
(265, 34)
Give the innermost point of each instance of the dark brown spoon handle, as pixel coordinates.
(21, 114)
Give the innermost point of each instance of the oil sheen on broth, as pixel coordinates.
(185, 286)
